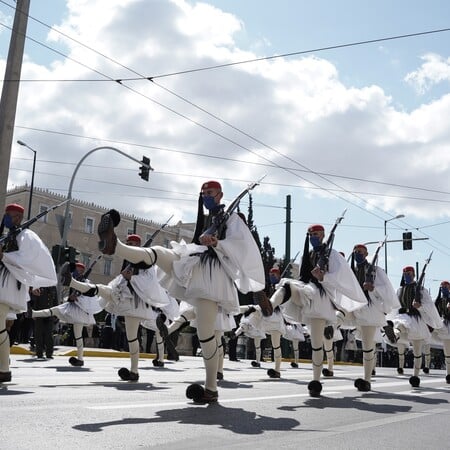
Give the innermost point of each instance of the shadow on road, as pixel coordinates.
(235, 420)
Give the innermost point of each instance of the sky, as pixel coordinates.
(362, 128)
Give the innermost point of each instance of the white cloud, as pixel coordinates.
(434, 70)
(297, 106)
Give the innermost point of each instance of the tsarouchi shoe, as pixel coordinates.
(327, 373)
(362, 385)
(273, 373)
(106, 234)
(201, 395)
(76, 362)
(126, 375)
(314, 388)
(264, 303)
(5, 377)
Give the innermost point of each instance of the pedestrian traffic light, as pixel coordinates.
(407, 240)
(144, 170)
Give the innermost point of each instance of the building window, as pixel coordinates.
(85, 259)
(43, 208)
(89, 225)
(107, 266)
(130, 231)
(166, 243)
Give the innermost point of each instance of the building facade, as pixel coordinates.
(82, 233)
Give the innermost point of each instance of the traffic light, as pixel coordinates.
(144, 170)
(62, 254)
(56, 254)
(407, 240)
(70, 254)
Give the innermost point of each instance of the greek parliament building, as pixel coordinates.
(82, 234)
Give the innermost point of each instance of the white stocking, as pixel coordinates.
(426, 348)
(131, 328)
(219, 335)
(277, 297)
(186, 317)
(159, 346)
(258, 352)
(78, 334)
(161, 256)
(296, 350)
(276, 345)
(446, 345)
(417, 349)
(206, 312)
(401, 348)
(4, 339)
(317, 328)
(368, 344)
(329, 352)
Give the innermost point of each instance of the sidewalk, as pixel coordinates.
(61, 350)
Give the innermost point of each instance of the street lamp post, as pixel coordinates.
(399, 216)
(69, 194)
(32, 174)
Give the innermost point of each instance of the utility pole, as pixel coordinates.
(287, 251)
(8, 101)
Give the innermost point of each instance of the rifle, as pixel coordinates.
(15, 231)
(370, 273)
(149, 241)
(324, 254)
(89, 269)
(289, 264)
(220, 219)
(420, 281)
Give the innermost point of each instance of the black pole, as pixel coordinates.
(287, 251)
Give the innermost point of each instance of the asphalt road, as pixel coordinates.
(50, 404)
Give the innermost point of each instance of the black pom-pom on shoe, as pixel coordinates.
(315, 388)
(414, 381)
(362, 385)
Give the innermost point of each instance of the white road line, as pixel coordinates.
(337, 391)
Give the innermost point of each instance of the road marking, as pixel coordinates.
(337, 390)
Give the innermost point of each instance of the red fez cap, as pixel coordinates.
(445, 283)
(274, 270)
(360, 246)
(14, 207)
(409, 269)
(316, 227)
(134, 238)
(211, 185)
(80, 265)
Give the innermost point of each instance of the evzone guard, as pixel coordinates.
(224, 256)
(326, 283)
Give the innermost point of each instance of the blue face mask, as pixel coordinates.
(7, 221)
(445, 292)
(314, 241)
(408, 278)
(273, 279)
(209, 202)
(359, 257)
